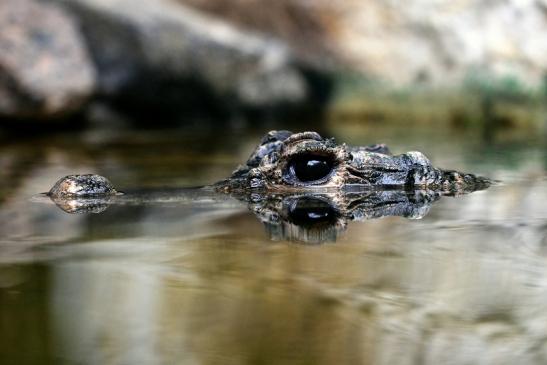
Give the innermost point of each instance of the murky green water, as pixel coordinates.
(204, 283)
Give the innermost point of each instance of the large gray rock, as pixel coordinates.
(45, 70)
(158, 53)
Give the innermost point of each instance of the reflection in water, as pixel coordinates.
(193, 279)
(322, 217)
(408, 293)
(306, 217)
(83, 205)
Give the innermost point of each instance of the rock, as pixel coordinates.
(439, 43)
(164, 56)
(45, 70)
(304, 26)
(444, 42)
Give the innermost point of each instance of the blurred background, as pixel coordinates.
(174, 93)
(239, 63)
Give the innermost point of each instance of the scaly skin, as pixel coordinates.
(370, 167)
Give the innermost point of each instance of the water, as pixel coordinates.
(205, 283)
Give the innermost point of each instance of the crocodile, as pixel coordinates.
(292, 162)
(302, 180)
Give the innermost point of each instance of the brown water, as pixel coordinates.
(204, 283)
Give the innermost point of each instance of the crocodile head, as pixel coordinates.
(292, 162)
(288, 163)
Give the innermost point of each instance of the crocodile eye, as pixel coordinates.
(310, 212)
(310, 167)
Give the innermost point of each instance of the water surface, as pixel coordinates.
(206, 283)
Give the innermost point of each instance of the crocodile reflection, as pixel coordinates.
(323, 217)
(311, 218)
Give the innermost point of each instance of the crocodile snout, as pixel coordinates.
(88, 185)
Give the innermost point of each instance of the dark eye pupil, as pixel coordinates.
(310, 168)
(310, 211)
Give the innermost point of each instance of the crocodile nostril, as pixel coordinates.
(82, 186)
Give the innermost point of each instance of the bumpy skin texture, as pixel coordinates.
(89, 185)
(269, 168)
